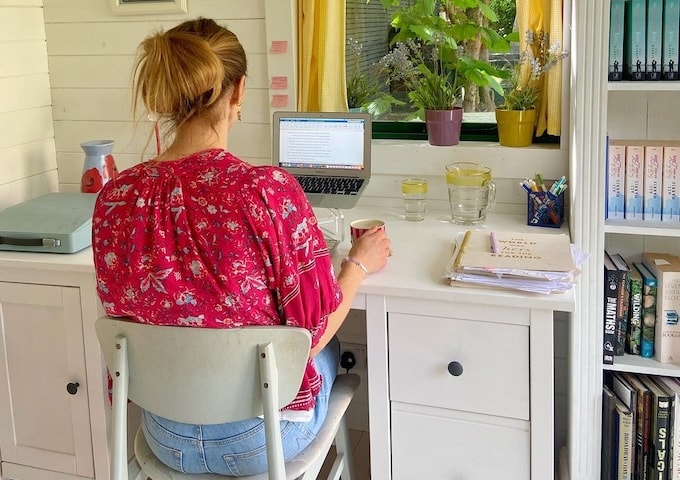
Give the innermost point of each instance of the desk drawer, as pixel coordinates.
(494, 358)
(429, 446)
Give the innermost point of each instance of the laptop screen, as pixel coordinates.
(323, 143)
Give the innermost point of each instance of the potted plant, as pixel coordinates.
(516, 119)
(430, 61)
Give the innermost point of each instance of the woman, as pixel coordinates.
(197, 237)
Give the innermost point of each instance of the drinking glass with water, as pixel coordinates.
(471, 192)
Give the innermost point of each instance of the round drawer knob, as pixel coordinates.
(455, 369)
(72, 388)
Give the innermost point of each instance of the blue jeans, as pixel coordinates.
(237, 448)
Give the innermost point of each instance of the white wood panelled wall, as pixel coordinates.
(28, 164)
(91, 56)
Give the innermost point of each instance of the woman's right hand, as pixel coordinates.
(372, 249)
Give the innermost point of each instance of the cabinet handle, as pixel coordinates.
(455, 369)
(72, 387)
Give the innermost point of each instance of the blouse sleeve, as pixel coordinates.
(297, 262)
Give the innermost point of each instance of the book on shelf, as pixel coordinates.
(615, 303)
(670, 201)
(654, 39)
(616, 179)
(611, 299)
(642, 423)
(635, 39)
(653, 168)
(634, 185)
(649, 292)
(628, 395)
(625, 442)
(660, 425)
(666, 269)
(616, 32)
(634, 332)
(669, 53)
(609, 452)
(672, 386)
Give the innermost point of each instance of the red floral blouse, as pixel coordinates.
(211, 241)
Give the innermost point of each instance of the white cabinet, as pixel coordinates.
(41, 352)
(52, 400)
(459, 397)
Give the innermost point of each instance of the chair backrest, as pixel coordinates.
(203, 376)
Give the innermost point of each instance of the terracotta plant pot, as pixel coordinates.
(515, 127)
(443, 126)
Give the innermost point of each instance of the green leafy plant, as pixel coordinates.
(361, 89)
(431, 38)
(523, 88)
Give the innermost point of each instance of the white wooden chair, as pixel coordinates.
(210, 376)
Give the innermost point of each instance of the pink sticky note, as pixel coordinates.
(279, 46)
(279, 101)
(279, 83)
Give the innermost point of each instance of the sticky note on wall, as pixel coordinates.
(279, 101)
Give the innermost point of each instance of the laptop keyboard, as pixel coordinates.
(330, 185)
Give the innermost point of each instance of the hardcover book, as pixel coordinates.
(628, 395)
(616, 26)
(609, 463)
(666, 269)
(634, 333)
(616, 180)
(635, 39)
(672, 386)
(654, 39)
(612, 282)
(649, 289)
(661, 413)
(670, 201)
(634, 186)
(622, 303)
(669, 52)
(643, 424)
(653, 182)
(625, 442)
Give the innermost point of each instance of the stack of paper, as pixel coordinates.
(531, 262)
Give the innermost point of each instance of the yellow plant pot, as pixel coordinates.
(515, 127)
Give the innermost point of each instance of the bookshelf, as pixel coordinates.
(650, 86)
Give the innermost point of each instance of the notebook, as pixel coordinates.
(329, 153)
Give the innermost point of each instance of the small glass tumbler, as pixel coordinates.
(413, 191)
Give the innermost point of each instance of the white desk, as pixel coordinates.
(495, 417)
(410, 289)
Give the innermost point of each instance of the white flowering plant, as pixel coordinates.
(361, 89)
(523, 88)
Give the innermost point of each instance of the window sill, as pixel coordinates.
(418, 157)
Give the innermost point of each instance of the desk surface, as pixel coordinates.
(421, 251)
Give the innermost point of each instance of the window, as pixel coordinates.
(369, 38)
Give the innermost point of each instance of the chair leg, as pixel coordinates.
(344, 449)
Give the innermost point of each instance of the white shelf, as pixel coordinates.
(638, 364)
(640, 227)
(645, 86)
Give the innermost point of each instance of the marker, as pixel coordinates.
(539, 180)
(525, 187)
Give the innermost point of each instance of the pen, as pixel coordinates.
(494, 242)
(525, 187)
(557, 184)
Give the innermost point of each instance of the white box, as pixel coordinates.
(616, 180)
(653, 185)
(634, 187)
(670, 202)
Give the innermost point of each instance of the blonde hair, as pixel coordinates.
(183, 73)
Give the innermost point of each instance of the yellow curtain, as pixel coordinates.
(545, 16)
(321, 56)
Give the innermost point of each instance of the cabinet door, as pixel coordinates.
(444, 444)
(42, 425)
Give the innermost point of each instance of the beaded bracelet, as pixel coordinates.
(357, 263)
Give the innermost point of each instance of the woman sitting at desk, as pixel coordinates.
(197, 237)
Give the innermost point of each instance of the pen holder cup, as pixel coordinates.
(545, 209)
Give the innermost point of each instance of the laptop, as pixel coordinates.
(329, 153)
